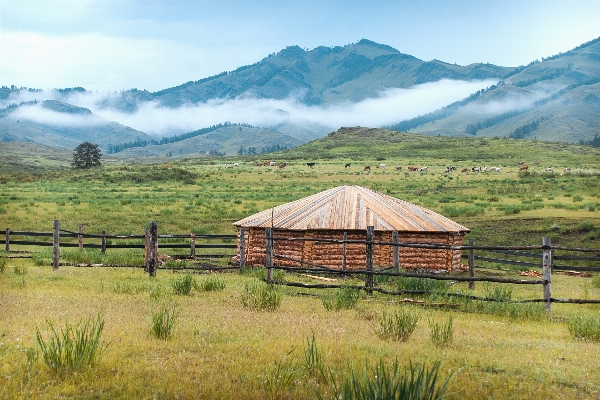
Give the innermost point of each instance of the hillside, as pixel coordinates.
(62, 126)
(557, 99)
(359, 143)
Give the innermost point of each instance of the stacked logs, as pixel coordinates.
(331, 255)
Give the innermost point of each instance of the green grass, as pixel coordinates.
(398, 325)
(343, 298)
(260, 296)
(184, 285)
(441, 333)
(163, 321)
(71, 349)
(585, 328)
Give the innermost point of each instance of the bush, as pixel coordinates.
(421, 284)
(71, 349)
(184, 285)
(163, 321)
(212, 283)
(343, 298)
(441, 333)
(584, 328)
(398, 326)
(260, 296)
(498, 292)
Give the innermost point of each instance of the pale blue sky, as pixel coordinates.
(108, 45)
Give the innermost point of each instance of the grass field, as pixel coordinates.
(220, 349)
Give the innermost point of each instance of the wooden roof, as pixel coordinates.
(349, 208)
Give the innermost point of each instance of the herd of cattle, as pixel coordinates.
(450, 168)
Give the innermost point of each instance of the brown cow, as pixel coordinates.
(464, 170)
(521, 163)
(524, 168)
(536, 163)
(367, 168)
(413, 169)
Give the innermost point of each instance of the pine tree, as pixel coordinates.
(86, 155)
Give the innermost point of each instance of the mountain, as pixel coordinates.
(324, 75)
(557, 99)
(62, 126)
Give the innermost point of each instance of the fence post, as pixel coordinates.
(193, 245)
(471, 263)
(368, 276)
(242, 242)
(153, 249)
(103, 242)
(7, 240)
(56, 245)
(547, 272)
(396, 252)
(269, 253)
(146, 249)
(344, 252)
(80, 237)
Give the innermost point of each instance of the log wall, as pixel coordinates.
(331, 254)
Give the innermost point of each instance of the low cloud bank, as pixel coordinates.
(391, 106)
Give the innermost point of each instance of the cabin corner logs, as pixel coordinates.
(305, 249)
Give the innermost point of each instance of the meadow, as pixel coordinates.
(304, 346)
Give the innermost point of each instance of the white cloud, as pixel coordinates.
(391, 106)
(38, 113)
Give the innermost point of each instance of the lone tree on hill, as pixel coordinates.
(87, 155)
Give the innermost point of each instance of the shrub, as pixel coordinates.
(343, 298)
(72, 349)
(257, 295)
(585, 227)
(497, 292)
(441, 333)
(398, 325)
(421, 284)
(184, 285)
(584, 328)
(163, 321)
(212, 283)
(390, 382)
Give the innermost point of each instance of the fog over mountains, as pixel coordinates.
(298, 95)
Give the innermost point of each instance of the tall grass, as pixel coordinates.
(71, 349)
(163, 321)
(2, 264)
(313, 358)
(584, 328)
(212, 283)
(343, 298)
(413, 382)
(441, 333)
(258, 295)
(421, 284)
(398, 325)
(184, 285)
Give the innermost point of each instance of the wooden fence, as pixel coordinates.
(544, 254)
(543, 257)
(149, 241)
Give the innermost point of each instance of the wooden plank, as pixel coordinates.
(547, 272)
(369, 261)
(56, 245)
(471, 258)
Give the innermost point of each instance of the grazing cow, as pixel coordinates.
(272, 164)
(450, 168)
(523, 168)
(398, 168)
(347, 165)
(266, 163)
(382, 166)
(484, 169)
(282, 165)
(566, 170)
(462, 171)
(496, 169)
(310, 164)
(424, 169)
(549, 169)
(236, 164)
(413, 169)
(475, 169)
(367, 168)
(521, 163)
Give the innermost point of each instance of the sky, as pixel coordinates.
(106, 45)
